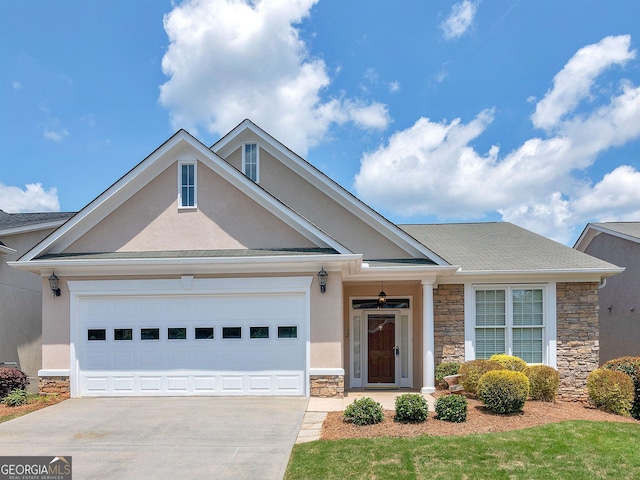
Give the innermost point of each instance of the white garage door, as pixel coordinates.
(191, 344)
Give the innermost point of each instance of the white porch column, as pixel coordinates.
(428, 344)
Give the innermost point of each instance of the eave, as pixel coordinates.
(185, 266)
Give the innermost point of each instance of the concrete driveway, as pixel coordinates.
(162, 438)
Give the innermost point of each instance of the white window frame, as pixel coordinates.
(549, 331)
(181, 163)
(257, 162)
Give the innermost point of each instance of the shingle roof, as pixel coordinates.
(267, 252)
(631, 229)
(16, 220)
(500, 246)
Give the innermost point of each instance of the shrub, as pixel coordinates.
(452, 408)
(472, 371)
(16, 398)
(611, 391)
(630, 366)
(411, 408)
(12, 379)
(445, 369)
(503, 391)
(363, 411)
(544, 382)
(509, 362)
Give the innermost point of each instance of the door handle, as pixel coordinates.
(396, 350)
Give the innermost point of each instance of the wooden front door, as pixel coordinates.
(381, 347)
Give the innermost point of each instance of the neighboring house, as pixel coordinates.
(202, 272)
(618, 243)
(21, 292)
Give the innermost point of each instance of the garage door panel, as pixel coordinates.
(190, 366)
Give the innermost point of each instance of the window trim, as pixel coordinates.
(181, 163)
(549, 330)
(244, 161)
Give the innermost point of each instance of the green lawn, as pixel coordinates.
(568, 450)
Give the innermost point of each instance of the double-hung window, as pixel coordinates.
(187, 175)
(250, 161)
(510, 320)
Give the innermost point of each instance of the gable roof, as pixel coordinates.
(147, 170)
(626, 230)
(503, 247)
(228, 143)
(13, 223)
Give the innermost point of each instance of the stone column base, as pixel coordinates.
(58, 385)
(327, 386)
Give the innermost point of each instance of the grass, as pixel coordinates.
(574, 449)
(35, 402)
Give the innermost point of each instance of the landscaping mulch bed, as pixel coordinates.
(42, 402)
(479, 420)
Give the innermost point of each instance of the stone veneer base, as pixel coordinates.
(327, 386)
(54, 385)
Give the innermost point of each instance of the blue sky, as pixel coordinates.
(523, 111)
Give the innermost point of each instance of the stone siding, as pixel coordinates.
(578, 346)
(448, 323)
(327, 386)
(54, 385)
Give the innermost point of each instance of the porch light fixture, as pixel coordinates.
(53, 285)
(382, 297)
(322, 280)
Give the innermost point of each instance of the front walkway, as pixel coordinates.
(317, 409)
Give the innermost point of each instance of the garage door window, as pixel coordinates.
(288, 331)
(122, 334)
(97, 334)
(258, 332)
(149, 334)
(177, 333)
(231, 332)
(204, 333)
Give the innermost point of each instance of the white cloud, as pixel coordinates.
(16, 85)
(33, 198)
(573, 83)
(55, 135)
(432, 168)
(394, 86)
(232, 59)
(459, 20)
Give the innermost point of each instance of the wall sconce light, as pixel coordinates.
(53, 285)
(382, 297)
(322, 280)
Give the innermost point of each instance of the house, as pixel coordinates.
(241, 269)
(618, 243)
(21, 292)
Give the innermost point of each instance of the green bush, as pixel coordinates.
(611, 390)
(471, 372)
(411, 408)
(503, 391)
(363, 411)
(444, 370)
(544, 382)
(452, 408)
(12, 379)
(16, 398)
(509, 362)
(630, 366)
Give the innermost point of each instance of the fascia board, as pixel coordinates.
(401, 273)
(31, 228)
(558, 275)
(322, 182)
(190, 265)
(7, 250)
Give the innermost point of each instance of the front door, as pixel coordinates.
(381, 348)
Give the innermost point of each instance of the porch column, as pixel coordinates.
(428, 345)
